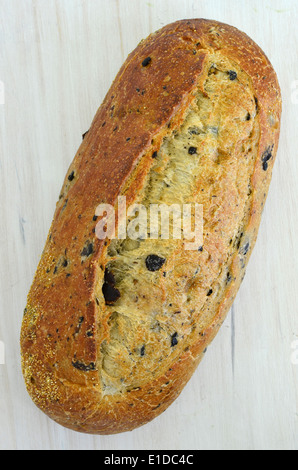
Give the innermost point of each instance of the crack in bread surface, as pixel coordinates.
(157, 313)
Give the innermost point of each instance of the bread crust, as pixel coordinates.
(60, 339)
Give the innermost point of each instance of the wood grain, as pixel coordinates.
(58, 59)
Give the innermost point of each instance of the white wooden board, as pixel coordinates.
(58, 59)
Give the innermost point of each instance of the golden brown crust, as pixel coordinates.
(59, 337)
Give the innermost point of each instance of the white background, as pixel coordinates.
(58, 59)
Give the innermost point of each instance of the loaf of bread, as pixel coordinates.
(114, 328)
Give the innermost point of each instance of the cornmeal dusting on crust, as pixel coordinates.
(48, 389)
